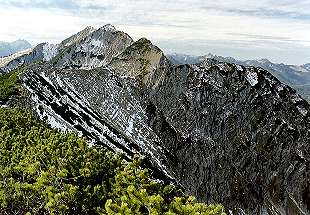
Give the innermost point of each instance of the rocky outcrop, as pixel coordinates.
(139, 59)
(238, 135)
(89, 48)
(96, 50)
(296, 76)
(226, 133)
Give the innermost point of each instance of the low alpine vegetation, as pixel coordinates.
(8, 84)
(44, 171)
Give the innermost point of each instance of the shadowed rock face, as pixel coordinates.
(240, 137)
(226, 133)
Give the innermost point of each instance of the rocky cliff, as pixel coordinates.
(95, 50)
(239, 136)
(296, 76)
(225, 132)
(89, 48)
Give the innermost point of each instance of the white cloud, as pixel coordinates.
(242, 24)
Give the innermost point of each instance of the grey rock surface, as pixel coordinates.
(239, 136)
(99, 105)
(89, 48)
(296, 76)
(95, 50)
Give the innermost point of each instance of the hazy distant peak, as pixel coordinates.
(22, 41)
(264, 61)
(209, 55)
(9, 48)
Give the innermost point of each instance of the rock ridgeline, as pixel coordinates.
(89, 48)
(296, 76)
(226, 133)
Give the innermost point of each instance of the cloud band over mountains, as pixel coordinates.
(247, 28)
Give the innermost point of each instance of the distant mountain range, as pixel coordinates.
(296, 76)
(9, 48)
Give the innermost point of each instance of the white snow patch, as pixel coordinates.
(252, 78)
(54, 124)
(49, 51)
(96, 43)
(302, 110)
(239, 68)
(221, 66)
(280, 88)
(129, 128)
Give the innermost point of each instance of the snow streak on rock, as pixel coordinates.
(251, 76)
(49, 51)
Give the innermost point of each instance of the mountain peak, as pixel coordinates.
(144, 41)
(219, 129)
(22, 41)
(77, 37)
(139, 60)
(89, 28)
(264, 60)
(108, 27)
(209, 55)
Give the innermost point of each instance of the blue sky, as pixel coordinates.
(246, 29)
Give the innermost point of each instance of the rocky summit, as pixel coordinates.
(225, 133)
(296, 76)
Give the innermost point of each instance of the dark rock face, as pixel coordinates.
(296, 76)
(224, 132)
(239, 136)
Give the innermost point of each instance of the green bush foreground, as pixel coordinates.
(8, 84)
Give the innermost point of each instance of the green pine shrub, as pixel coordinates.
(8, 84)
(44, 171)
